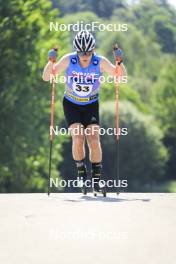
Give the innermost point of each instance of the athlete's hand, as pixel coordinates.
(52, 54)
(118, 54)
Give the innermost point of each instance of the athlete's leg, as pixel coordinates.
(78, 149)
(95, 154)
(93, 141)
(78, 141)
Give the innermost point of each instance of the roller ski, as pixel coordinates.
(82, 176)
(98, 186)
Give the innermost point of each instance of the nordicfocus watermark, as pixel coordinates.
(87, 78)
(88, 131)
(93, 26)
(79, 183)
(57, 234)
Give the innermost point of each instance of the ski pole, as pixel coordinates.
(117, 91)
(51, 127)
(117, 112)
(117, 102)
(117, 122)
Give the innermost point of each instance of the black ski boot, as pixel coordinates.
(82, 175)
(97, 185)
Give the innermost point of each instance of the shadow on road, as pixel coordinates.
(105, 199)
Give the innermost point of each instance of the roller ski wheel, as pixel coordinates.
(84, 190)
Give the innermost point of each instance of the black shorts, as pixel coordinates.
(84, 114)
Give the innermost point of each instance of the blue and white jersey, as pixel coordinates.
(82, 84)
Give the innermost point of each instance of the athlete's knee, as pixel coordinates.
(92, 130)
(78, 139)
(93, 141)
(76, 129)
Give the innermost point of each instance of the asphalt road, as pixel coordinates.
(74, 229)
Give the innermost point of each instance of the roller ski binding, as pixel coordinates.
(98, 189)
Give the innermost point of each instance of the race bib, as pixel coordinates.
(82, 89)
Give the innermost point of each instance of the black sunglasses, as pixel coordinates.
(84, 53)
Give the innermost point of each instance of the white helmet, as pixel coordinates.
(84, 41)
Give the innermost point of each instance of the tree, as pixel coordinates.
(165, 34)
(142, 154)
(164, 104)
(142, 63)
(160, 27)
(100, 7)
(25, 98)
